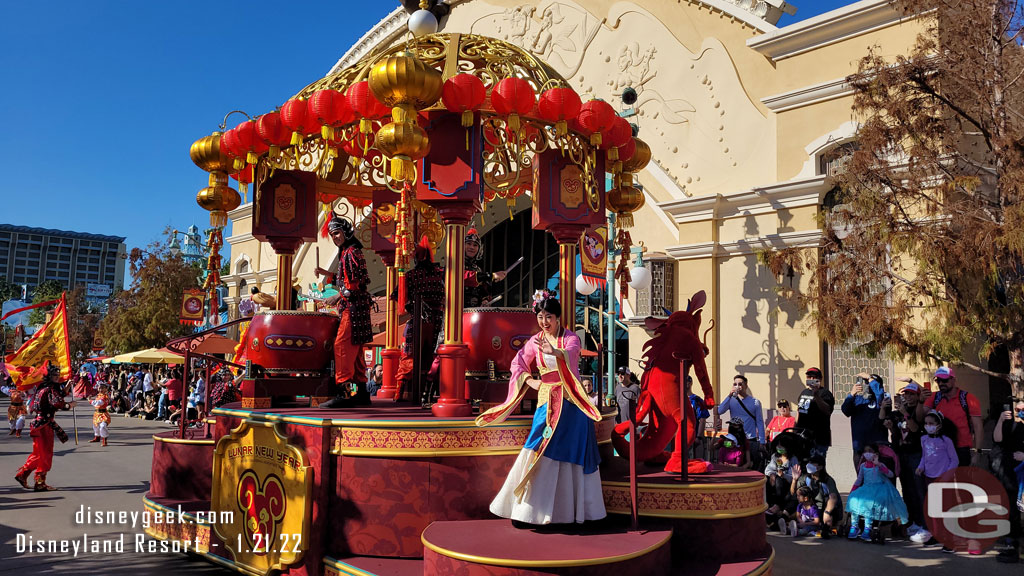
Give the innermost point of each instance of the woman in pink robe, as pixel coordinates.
(555, 478)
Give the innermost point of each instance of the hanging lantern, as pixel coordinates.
(463, 94)
(595, 117)
(623, 201)
(365, 105)
(244, 178)
(637, 161)
(218, 197)
(231, 146)
(616, 136)
(329, 108)
(296, 116)
(559, 105)
(513, 97)
(405, 83)
(272, 131)
(251, 143)
(626, 151)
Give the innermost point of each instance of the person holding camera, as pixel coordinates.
(906, 427)
(1009, 435)
(814, 411)
(962, 409)
(741, 405)
(863, 406)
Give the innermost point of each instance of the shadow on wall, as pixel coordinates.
(763, 303)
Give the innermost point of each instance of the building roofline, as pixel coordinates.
(61, 233)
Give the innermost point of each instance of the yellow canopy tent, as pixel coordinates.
(148, 356)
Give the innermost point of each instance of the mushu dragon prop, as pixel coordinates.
(675, 339)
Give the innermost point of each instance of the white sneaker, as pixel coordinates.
(921, 537)
(793, 529)
(913, 529)
(782, 526)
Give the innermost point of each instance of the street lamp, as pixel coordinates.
(174, 246)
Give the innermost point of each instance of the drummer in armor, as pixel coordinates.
(479, 285)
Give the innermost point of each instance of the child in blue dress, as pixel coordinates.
(874, 497)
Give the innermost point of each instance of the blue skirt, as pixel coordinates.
(877, 501)
(574, 440)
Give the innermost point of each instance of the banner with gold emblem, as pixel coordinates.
(267, 484)
(50, 343)
(594, 255)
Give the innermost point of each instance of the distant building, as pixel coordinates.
(30, 256)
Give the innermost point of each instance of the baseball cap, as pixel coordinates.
(815, 372)
(622, 370)
(912, 387)
(944, 372)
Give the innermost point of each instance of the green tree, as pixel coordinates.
(83, 322)
(46, 291)
(146, 314)
(8, 291)
(923, 252)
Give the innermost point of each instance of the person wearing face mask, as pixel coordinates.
(938, 455)
(962, 409)
(873, 498)
(1009, 435)
(863, 406)
(814, 411)
(906, 428)
(824, 492)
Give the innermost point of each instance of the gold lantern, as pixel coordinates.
(636, 163)
(625, 200)
(405, 83)
(217, 197)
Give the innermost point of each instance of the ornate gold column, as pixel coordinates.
(391, 352)
(568, 238)
(452, 403)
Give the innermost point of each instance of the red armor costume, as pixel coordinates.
(48, 399)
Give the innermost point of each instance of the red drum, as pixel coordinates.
(287, 341)
(494, 336)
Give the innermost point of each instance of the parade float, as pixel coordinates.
(434, 127)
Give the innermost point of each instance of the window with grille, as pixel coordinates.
(660, 296)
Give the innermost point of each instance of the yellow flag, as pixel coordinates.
(27, 366)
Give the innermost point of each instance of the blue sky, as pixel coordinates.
(102, 99)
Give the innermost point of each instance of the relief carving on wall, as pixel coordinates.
(704, 130)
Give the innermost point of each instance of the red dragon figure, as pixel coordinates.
(674, 339)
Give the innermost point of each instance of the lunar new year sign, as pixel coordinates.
(266, 481)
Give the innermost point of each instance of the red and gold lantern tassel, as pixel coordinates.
(625, 244)
(243, 187)
(239, 164)
(612, 154)
(327, 132)
(561, 129)
(365, 125)
(467, 118)
(402, 168)
(624, 219)
(218, 219)
(513, 122)
(401, 291)
(595, 139)
(297, 138)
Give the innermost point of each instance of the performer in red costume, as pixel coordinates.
(353, 303)
(478, 284)
(49, 398)
(16, 412)
(100, 417)
(423, 284)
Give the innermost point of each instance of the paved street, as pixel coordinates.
(116, 477)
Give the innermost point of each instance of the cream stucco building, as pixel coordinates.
(741, 117)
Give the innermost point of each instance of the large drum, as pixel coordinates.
(494, 336)
(291, 341)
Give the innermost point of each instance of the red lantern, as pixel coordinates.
(272, 131)
(595, 117)
(365, 105)
(296, 116)
(463, 93)
(559, 105)
(229, 144)
(249, 141)
(614, 137)
(627, 150)
(329, 108)
(512, 97)
(244, 176)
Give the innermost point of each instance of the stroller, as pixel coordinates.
(798, 442)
